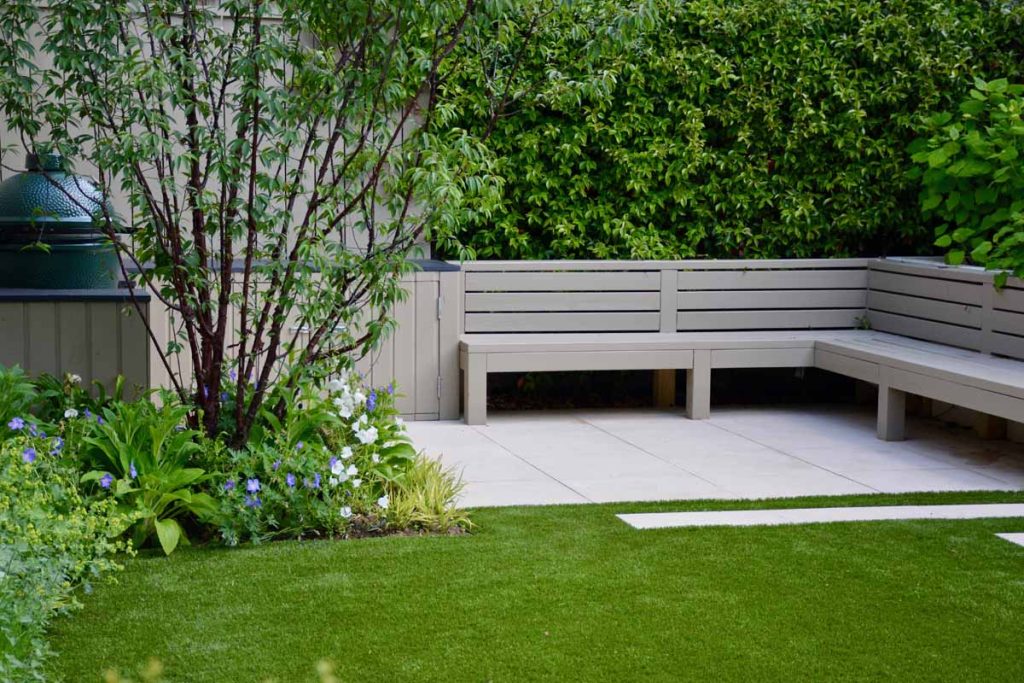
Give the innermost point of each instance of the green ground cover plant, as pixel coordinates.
(973, 180)
(745, 128)
(572, 593)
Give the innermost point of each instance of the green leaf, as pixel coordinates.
(944, 242)
(169, 533)
(961, 235)
(955, 257)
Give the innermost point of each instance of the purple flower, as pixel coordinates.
(42, 435)
(99, 420)
(29, 454)
(132, 471)
(371, 401)
(332, 462)
(277, 464)
(106, 481)
(314, 483)
(233, 375)
(299, 446)
(252, 502)
(290, 480)
(391, 387)
(16, 423)
(229, 485)
(223, 397)
(32, 430)
(252, 485)
(87, 413)
(58, 444)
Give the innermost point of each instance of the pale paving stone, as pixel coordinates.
(663, 520)
(1013, 538)
(680, 487)
(908, 481)
(540, 492)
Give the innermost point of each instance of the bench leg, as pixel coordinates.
(474, 389)
(892, 409)
(664, 388)
(698, 387)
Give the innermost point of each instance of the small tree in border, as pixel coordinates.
(260, 134)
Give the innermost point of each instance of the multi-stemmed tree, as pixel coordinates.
(278, 161)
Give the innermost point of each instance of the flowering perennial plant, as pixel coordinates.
(320, 470)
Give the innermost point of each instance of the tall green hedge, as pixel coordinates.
(726, 128)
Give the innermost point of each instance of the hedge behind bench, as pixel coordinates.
(732, 128)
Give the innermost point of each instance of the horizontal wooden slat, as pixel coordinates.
(1010, 323)
(763, 358)
(845, 365)
(1009, 299)
(773, 279)
(1007, 345)
(768, 320)
(925, 329)
(561, 282)
(691, 264)
(562, 301)
(771, 299)
(924, 267)
(589, 360)
(932, 288)
(941, 311)
(562, 322)
(984, 401)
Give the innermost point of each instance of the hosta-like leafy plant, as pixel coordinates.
(973, 177)
(142, 455)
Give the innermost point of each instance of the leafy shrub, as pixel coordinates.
(973, 178)
(142, 455)
(52, 541)
(56, 395)
(426, 498)
(332, 477)
(17, 394)
(745, 128)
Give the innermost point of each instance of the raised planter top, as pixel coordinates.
(42, 295)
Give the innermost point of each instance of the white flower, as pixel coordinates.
(400, 423)
(345, 412)
(335, 385)
(333, 481)
(361, 421)
(345, 512)
(338, 468)
(346, 453)
(74, 379)
(367, 436)
(359, 397)
(375, 457)
(70, 413)
(383, 502)
(352, 470)
(356, 483)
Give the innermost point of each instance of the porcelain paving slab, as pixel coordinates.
(664, 520)
(1013, 538)
(745, 452)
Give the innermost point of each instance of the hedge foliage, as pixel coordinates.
(736, 128)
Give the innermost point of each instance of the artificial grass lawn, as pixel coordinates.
(572, 593)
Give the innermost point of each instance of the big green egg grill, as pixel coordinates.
(51, 233)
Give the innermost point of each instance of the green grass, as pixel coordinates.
(572, 593)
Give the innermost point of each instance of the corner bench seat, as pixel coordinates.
(896, 364)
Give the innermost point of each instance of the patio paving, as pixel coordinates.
(601, 456)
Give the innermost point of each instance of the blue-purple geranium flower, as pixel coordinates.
(29, 454)
(253, 502)
(106, 480)
(252, 485)
(16, 423)
(229, 485)
(290, 480)
(132, 471)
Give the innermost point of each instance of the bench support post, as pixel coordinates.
(698, 386)
(474, 388)
(664, 388)
(892, 409)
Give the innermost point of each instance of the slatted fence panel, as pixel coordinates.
(1006, 333)
(561, 299)
(775, 295)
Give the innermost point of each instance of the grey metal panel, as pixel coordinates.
(562, 322)
(12, 334)
(768, 320)
(773, 279)
(489, 302)
(74, 348)
(134, 351)
(930, 309)
(44, 338)
(427, 357)
(771, 299)
(105, 340)
(552, 281)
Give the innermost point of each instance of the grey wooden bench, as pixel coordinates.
(703, 315)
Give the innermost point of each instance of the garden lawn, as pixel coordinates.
(572, 593)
